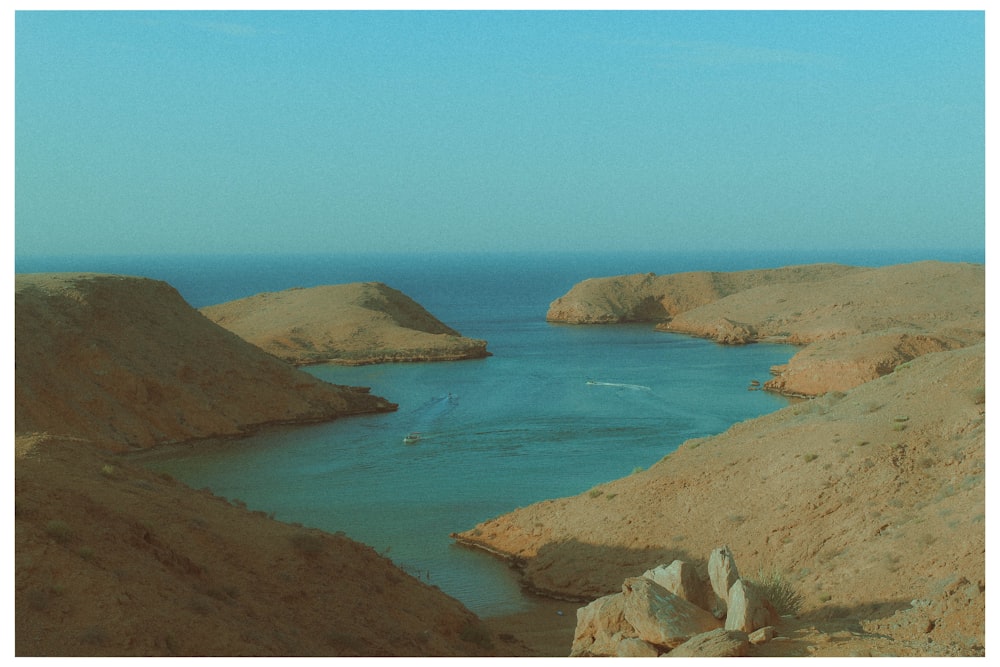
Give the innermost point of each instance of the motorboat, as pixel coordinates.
(411, 438)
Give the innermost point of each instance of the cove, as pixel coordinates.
(557, 410)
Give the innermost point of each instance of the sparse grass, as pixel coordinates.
(58, 530)
(307, 543)
(637, 469)
(826, 597)
(778, 590)
(108, 470)
(899, 427)
(595, 493)
(86, 553)
(979, 396)
(475, 633)
(810, 457)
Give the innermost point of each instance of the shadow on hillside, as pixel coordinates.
(583, 572)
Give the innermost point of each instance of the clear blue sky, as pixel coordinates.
(251, 132)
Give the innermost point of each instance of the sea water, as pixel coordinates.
(555, 411)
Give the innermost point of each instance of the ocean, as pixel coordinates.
(555, 411)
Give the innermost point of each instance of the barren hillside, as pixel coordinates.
(869, 500)
(114, 560)
(358, 323)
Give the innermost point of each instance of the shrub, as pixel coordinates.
(58, 530)
(778, 590)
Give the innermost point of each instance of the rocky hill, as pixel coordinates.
(854, 328)
(126, 361)
(359, 323)
(114, 560)
(855, 324)
(647, 297)
(868, 499)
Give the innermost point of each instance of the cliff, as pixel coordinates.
(359, 323)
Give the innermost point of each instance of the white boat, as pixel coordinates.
(411, 438)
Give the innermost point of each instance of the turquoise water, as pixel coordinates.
(557, 410)
(499, 433)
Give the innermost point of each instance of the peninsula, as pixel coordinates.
(353, 324)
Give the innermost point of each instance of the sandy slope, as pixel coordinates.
(111, 559)
(114, 560)
(358, 323)
(867, 499)
(127, 361)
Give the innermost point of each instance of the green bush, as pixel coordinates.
(778, 590)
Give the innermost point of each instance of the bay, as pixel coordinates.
(555, 411)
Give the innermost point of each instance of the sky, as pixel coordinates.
(143, 133)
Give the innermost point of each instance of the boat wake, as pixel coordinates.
(636, 387)
(428, 416)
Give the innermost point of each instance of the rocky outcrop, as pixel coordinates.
(855, 324)
(854, 327)
(127, 362)
(647, 297)
(647, 618)
(359, 323)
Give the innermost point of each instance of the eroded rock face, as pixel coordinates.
(722, 573)
(601, 627)
(127, 362)
(660, 617)
(359, 323)
(719, 643)
(681, 579)
(647, 297)
(748, 610)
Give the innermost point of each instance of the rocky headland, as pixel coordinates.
(114, 560)
(868, 499)
(358, 323)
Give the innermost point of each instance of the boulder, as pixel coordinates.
(719, 643)
(636, 648)
(748, 609)
(681, 579)
(730, 332)
(600, 627)
(722, 573)
(660, 617)
(762, 636)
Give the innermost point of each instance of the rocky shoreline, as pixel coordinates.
(868, 496)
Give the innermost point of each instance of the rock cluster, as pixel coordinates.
(672, 610)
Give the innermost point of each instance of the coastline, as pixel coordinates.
(532, 537)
